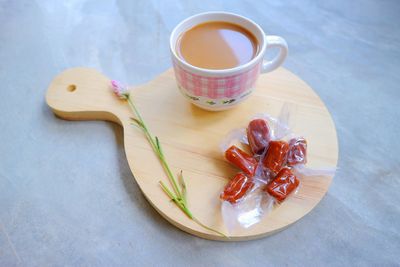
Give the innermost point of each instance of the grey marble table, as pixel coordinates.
(67, 196)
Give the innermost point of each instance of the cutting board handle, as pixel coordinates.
(85, 94)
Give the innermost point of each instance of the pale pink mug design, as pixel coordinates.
(222, 89)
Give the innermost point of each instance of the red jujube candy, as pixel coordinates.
(236, 188)
(283, 184)
(258, 134)
(276, 156)
(242, 160)
(297, 151)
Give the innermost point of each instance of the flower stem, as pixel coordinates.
(180, 204)
(208, 228)
(179, 195)
(156, 147)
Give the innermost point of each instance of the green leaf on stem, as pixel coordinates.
(159, 146)
(137, 123)
(179, 197)
(167, 191)
(183, 186)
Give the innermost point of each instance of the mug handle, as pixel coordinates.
(275, 41)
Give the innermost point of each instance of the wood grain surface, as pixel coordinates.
(191, 136)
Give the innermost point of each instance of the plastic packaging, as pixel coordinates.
(278, 129)
(271, 175)
(284, 183)
(297, 151)
(237, 187)
(249, 211)
(276, 156)
(258, 135)
(233, 137)
(242, 160)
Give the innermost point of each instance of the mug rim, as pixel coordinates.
(247, 65)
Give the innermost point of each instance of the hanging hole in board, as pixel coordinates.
(71, 88)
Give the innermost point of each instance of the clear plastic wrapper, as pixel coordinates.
(282, 185)
(258, 135)
(297, 153)
(251, 208)
(278, 129)
(276, 156)
(237, 188)
(247, 212)
(242, 160)
(233, 137)
(278, 174)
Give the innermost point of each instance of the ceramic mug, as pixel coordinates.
(221, 89)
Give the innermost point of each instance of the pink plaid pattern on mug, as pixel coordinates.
(216, 87)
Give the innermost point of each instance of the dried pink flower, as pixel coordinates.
(119, 89)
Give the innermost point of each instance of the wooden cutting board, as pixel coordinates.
(190, 137)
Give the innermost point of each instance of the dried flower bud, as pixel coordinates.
(119, 89)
